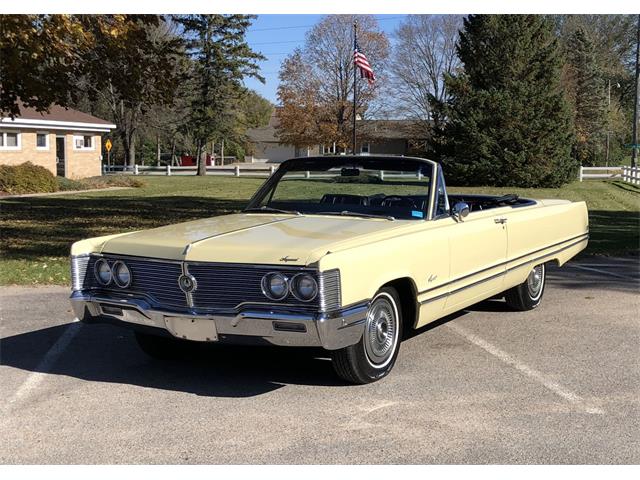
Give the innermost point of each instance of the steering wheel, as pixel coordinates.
(403, 201)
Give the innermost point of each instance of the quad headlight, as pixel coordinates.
(304, 287)
(117, 273)
(275, 286)
(121, 274)
(103, 272)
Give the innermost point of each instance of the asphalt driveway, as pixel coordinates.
(560, 384)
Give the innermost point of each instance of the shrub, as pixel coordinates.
(26, 178)
(113, 181)
(66, 184)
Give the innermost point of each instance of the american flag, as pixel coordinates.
(360, 61)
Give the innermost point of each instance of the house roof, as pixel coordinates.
(57, 118)
(389, 129)
(369, 129)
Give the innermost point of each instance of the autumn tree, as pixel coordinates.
(611, 40)
(41, 60)
(316, 81)
(424, 52)
(221, 59)
(132, 72)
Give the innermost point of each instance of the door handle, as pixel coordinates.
(500, 220)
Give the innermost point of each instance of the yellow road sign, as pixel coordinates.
(108, 145)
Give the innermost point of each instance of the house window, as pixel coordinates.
(9, 140)
(365, 148)
(42, 141)
(329, 150)
(83, 142)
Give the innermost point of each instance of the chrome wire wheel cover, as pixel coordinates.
(381, 331)
(535, 282)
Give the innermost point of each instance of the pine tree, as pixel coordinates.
(221, 60)
(509, 123)
(587, 95)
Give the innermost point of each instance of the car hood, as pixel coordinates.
(253, 238)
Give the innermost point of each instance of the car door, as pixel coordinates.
(478, 251)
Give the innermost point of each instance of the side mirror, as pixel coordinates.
(460, 211)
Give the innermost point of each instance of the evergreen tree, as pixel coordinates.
(586, 91)
(509, 122)
(221, 60)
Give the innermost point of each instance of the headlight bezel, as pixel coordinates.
(114, 274)
(293, 287)
(96, 272)
(265, 285)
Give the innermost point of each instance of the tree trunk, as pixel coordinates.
(158, 150)
(130, 149)
(202, 160)
(173, 152)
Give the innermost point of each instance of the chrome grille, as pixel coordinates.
(157, 280)
(226, 286)
(330, 293)
(220, 286)
(79, 271)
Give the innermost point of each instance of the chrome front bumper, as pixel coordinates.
(331, 331)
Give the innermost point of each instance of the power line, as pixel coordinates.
(277, 43)
(313, 25)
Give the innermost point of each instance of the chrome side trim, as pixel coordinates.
(501, 264)
(523, 264)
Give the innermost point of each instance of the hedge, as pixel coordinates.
(26, 178)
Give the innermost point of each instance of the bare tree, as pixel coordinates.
(324, 67)
(424, 52)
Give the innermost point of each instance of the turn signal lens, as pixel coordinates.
(304, 287)
(102, 272)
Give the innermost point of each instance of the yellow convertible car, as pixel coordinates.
(347, 253)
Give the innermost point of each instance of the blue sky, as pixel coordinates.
(275, 36)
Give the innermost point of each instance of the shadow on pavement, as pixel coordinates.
(104, 353)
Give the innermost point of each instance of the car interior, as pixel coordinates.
(417, 202)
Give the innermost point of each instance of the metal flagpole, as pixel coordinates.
(634, 152)
(355, 92)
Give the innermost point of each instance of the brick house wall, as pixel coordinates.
(80, 163)
(82, 134)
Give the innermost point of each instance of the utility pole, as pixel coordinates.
(608, 115)
(634, 155)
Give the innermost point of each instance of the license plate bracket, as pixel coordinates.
(190, 328)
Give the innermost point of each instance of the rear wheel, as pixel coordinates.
(528, 294)
(162, 348)
(375, 354)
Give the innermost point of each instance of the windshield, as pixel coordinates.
(392, 188)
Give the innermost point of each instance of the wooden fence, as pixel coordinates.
(599, 173)
(236, 171)
(168, 170)
(631, 175)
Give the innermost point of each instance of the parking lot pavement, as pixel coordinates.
(560, 384)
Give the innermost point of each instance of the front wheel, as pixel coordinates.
(528, 294)
(375, 354)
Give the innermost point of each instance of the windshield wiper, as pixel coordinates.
(349, 213)
(267, 209)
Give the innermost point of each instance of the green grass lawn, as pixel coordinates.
(36, 233)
